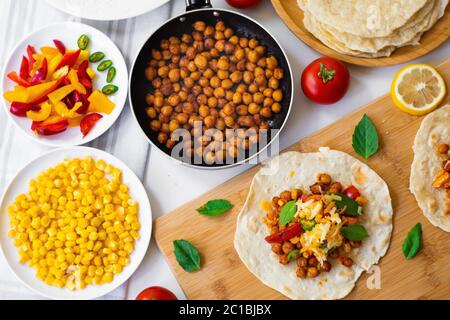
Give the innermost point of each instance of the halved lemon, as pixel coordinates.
(418, 89)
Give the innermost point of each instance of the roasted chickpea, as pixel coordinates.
(253, 108)
(151, 112)
(248, 77)
(272, 62)
(253, 56)
(276, 107)
(203, 111)
(219, 92)
(222, 74)
(200, 62)
(247, 98)
(150, 73)
(163, 71)
(277, 95)
(162, 137)
(266, 112)
(212, 102)
(210, 121)
(273, 83)
(158, 102)
(155, 125)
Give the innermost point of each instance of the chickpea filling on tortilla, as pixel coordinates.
(311, 227)
(442, 179)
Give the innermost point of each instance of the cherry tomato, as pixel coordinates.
(156, 293)
(351, 192)
(325, 80)
(242, 4)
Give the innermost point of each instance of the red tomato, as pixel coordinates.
(156, 293)
(325, 80)
(242, 4)
(351, 192)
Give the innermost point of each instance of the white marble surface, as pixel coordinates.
(163, 179)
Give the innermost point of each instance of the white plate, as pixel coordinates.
(20, 185)
(68, 33)
(106, 9)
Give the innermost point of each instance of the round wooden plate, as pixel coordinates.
(292, 15)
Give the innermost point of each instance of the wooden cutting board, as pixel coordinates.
(223, 276)
(292, 15)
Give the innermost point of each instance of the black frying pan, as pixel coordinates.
(243, 26)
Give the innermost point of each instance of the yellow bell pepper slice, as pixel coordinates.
(73, 77)
(62, 110)
(39, 89)
(84, 55)
(91, 73)
(19, 94)
(61, 72)
(98, 102)
(53, 64)
(41, 115)
(49, 51)
(59, 94)
(38, 58)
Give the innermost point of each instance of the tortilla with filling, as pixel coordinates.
(434, 130)
(299, 170)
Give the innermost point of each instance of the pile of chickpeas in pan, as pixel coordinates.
(216, 77)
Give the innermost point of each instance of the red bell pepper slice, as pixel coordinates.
(41, 73)
(17, 79)
(77, 97)
(60, 46)
(20, 109)
(45, 128)
(83, 76)
(69, 59)
(284, 235)
(31, 61)
(24, 68)
(351, 192)
(88, 122)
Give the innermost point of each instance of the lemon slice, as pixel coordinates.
(418, 89)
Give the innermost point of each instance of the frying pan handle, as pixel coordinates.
(197, 4)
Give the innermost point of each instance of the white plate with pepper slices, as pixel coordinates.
(75, 223)
(65, 84)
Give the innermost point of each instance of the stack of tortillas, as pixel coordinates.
(370, 28)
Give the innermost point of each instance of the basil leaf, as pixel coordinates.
(187, 255)
(365, 138)
(288, 212)
(293, 254)
(215, 207)
(354, 232)
(352, 208)
(413, 242)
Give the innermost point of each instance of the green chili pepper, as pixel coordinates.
(96, 56)
(111, 75)
(109, 89)
(308, 225)
(105, 65)
(83, 42)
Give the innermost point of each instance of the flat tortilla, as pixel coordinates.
(435, 129)
(407, 35)
(293, 170)
(364, 18)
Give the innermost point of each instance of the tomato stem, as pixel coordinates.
(325, 74)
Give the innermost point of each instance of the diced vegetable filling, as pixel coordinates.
(314, 227)
(442, 179)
